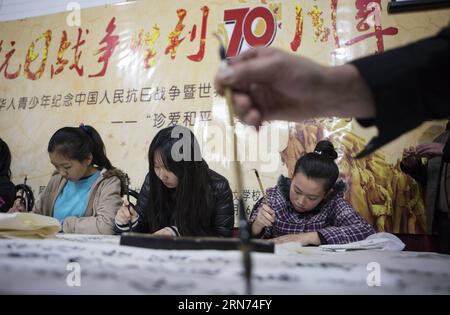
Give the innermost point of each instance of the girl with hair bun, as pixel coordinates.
(310, 208)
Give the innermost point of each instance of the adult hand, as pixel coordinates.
(269, 84)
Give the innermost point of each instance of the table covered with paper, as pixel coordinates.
(96, 264)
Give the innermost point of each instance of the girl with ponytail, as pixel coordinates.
(310, 208)
(85, 192)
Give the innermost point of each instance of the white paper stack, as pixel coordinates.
(382, 240)
(27, 225)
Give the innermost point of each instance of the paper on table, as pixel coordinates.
(381, 240)
(27, 225)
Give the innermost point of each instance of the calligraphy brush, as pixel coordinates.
(127, 181)
(244, 233)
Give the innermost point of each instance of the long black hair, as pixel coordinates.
(78, 144)
(320, 164)
(190, 204)
(5, 160)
